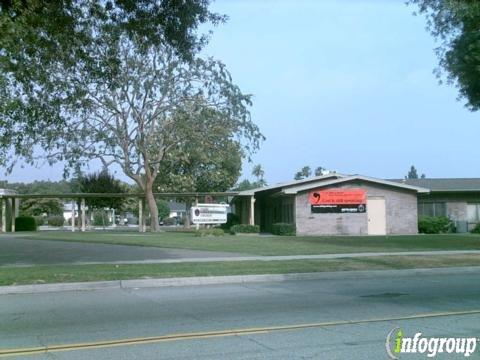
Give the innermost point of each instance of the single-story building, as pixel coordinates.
(334, 204)
(457, 199)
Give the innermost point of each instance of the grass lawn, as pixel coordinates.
(81, 273)
(272, 245)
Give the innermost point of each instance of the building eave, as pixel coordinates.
(297, 189)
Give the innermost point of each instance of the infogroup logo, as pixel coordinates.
(397, 344)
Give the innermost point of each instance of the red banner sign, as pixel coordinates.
(338, 197)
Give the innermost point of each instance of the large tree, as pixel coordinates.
(456, 24)
(148, 110)
(100, 82)
(210, 160)
(45, 45)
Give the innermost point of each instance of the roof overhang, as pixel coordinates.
(282, 186)
(296, 189)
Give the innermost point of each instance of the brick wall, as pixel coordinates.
(401, 213)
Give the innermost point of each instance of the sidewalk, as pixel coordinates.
(273, 258)
(135, 284)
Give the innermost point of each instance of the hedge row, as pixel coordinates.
(284, 229)
(25, 223)
(210, 232)
(244, 229)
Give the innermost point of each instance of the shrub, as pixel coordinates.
(435, 225)
(100, 218)
(476, 229)
(284, 229)
(170, 221)
(210, 232)
(39, 220)
(56, 220)
(244, 229)
(232, 219)
(25, 223)
(77, 221)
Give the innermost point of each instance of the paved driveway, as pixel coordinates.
(17, 251)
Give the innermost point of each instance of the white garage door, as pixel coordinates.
(377, 223)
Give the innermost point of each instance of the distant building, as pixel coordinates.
(177, 210)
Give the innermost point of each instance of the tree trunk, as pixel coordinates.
(188, 205)
(152, 207)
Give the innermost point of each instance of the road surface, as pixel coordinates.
(350, 319)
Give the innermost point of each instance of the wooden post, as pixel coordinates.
(73, 215)
(114, 224)
(4, 215)
(252, 210)
(83, 214)
(197, 226)
(14, 211)
(140, 215)
(17, 207)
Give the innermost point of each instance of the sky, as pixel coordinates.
(347, 85)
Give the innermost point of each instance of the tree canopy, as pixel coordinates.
(37, 207)
(102, 182)
(41, 187)
(163, 209)
(156, 106)
(208, 160)
(304, 173)
(46, 46)
(259, 174)
(413, 174)
(122, 92)
(456, 25)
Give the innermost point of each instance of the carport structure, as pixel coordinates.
(10, 200)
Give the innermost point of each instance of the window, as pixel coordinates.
(473, 213)
(432, 209)
(287, 213)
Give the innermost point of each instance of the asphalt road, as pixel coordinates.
(87, 317)
(15, 250)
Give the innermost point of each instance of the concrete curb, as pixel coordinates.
(58, 287)
(234, 279)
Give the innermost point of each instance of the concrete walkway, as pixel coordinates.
(232, 257)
